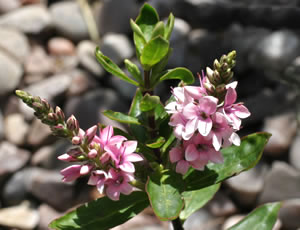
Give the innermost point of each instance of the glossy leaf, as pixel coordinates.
(159, 67)
(147, 20)
(236, 160)
(148, 102)
(112, 68)
(138, 38)
(155, 50)
(196, 199)
(169, 26)
(134, 71)
(179, 73)
(159, 30)
(262, 218)
(164, 195)
(102, 214)
(135, 110)
(157, 143)
(121, 117)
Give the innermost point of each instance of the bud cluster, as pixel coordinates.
(206, 118)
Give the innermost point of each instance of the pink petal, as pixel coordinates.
(178, 131)
(205, 126)
(182, 167)
(199, 164)
(217, 141)
(66, 157)
(241, 111)
(235, 139)
(208, 104)
(117, 140)
(127, 167)
(130, 146)
(230, 97)
(126, 188)
(215, 156)
(178, 92)
(191, 153)
(190, 128)
(85, 169)
(106, 134)
(232, 85)
(133, 157)
(190, 111)
(100, 186)
(113, 152)
(176, 154)
(194, 91)
(113, 192)
(71, 173)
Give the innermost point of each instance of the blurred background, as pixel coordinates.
(47, 48)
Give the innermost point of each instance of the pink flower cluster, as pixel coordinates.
(203, 124)
(107, 158)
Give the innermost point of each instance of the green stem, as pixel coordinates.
(177, 224)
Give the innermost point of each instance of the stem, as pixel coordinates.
(177, 224)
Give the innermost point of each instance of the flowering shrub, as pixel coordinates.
(172, 156)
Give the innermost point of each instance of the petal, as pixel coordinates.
(133, 157)
(215, 156)
(232, 85)
(190, 128)
(126, 188)
(190, 111)
(130, 146)
(199, 164)
(208, 104)
(217, 141)
(241, 111)
(113, 192)
(85, 169)
(235, 139)
(100, 186)
(230, 97)
(113, 152)
(182, 167)
(191, 153)
(93, 179)
(194, 91)
(178, 131)
(117, 140)
(176, 154)
(205, 126)
(127, 167)
(106, 134)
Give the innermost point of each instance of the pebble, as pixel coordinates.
(294, 154)
(117, 47)
(39, 134)
(112, 20)
(68, 20)
(21, 216)
(7, 6)
(14, 43)
(60, 46)
(232, 221)
(38, 62)
(16, 128)
(11, 73)
(86, 54)
(11, 159)
(283, 128)
(31, 19)
(289, 214)
(47, 214)
(281, 183)
(275, 51)
(221, 205)
(125, 89)
(247, 186)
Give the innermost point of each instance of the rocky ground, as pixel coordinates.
(47, 50)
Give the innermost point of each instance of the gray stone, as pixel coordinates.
(275, 51)
(179, 41)
(39, 133)
(248, 185)
(31, 19)
(47, 186)
(86, 54)
(201, 220)
(65, 63)
(117, 47)
(47, 214)
(21, 216)
(294, 155)
(11, 73)
(232, 221)
(88, 107)
(68, 20)
(125, 89)
(15, 43)
(112, 19)
(282, 182)
(11, 159)
(38, 62)
(283, 128)
(16, 128)
(7, 6)
(289, 214)
(221, 205)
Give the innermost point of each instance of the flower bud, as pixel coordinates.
(60, 114)
(72, 124)
(71, 173)
(85, 169)
(90, 134)
(75, 152)
(66, 157)
(93, 153)
(52, 117)
(45, 104)
(76, 140)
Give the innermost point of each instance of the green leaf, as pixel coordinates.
(135, 110)
(196, 199)
(138, 37)
(159, 67)
(134, 71)
(236, 160)
(155, 50)
(148, 103)
(157, 143)
(121, 117)
(164, 195)
(102, 214)
(262, 218)
(112, 68)
(159, 30)
(169, 26)
(168, 143)
(147, 20)
(180, 73)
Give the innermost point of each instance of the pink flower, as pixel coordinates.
(177, 155)
(124, 155)
(98, 178)
(71, 173)
(90, 134)
(199, 116)
(117, 182)
(233, 112)
(107, 137)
